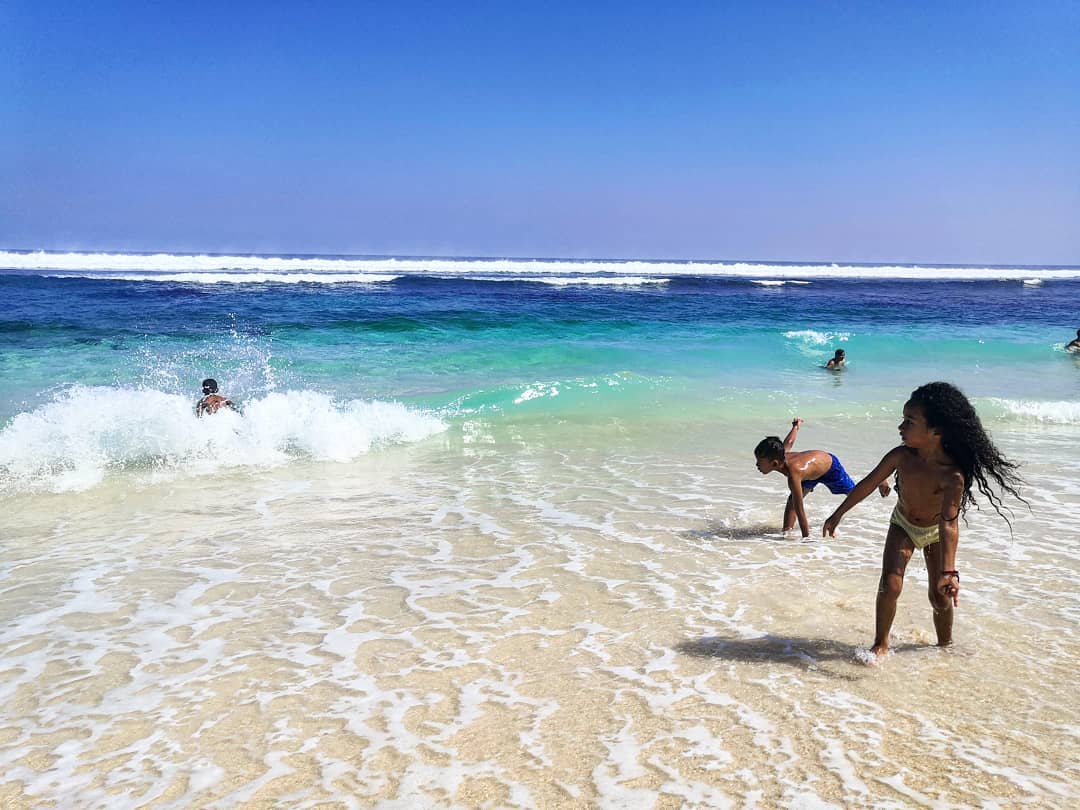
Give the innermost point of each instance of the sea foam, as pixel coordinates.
(240, 277)
(208, 268)
(73, 442)
(812, 337)
(1025, 410)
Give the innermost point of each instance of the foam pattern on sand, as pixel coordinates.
(595, 628)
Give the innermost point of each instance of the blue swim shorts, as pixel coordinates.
(836, 479)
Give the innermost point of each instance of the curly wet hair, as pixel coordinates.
(965, 440)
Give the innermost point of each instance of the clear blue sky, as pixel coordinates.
(851, 131)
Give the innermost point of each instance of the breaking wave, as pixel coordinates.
(214, 269)
(86, 433)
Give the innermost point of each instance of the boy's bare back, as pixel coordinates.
(807, 465)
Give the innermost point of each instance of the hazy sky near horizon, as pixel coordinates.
(829, 131)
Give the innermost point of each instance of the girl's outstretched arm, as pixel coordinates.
(886, 467)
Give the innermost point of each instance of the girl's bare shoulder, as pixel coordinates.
(899, 455)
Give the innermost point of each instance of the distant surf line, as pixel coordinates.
(215, 268)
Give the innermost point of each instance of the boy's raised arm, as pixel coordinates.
(789, 440)
(885, 468)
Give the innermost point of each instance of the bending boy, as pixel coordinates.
(804, 471)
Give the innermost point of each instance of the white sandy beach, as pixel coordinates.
(491, 621)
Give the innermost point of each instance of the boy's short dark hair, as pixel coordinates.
(209, 386)
(770, 448)
(839, 353)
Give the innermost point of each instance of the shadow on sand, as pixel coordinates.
(808, 654)
(718, 531)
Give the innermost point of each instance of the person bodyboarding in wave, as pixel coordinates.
(1074, 344)
(804, 470)
(944, 449)
(212, 401)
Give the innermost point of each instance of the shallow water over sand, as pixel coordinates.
(593, 614)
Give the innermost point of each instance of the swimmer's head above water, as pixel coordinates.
(209, 386)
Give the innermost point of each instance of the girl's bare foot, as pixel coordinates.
(871, 657)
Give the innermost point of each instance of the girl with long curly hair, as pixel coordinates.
(945, 451)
